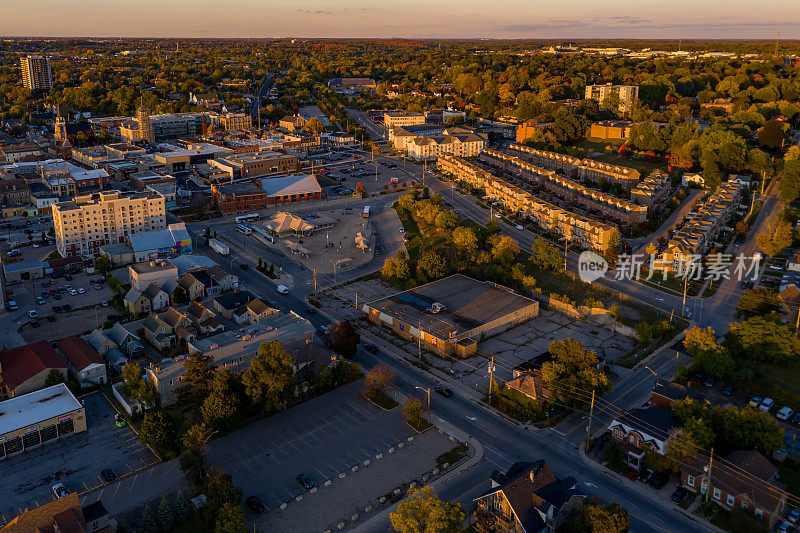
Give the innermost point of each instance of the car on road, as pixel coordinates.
(59, 490)
(283, 289)
(793, 515)
(371, 348)
(105, 303)
(444, 391)
(81, 290)
(108, 475)
(645, 475)
(679, 495)
(33, 313)
(709, 382)
(785, 413)
(766, 404)
(498, 216)
(255, 504)
(755, 401)
(40, 300)
(402, 229)
(306, 481)
(727, 391)
(12, 305)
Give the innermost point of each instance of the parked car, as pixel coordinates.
(306, 481)
(755, 401)
(658, 480)
(785, 413)
(33, 313)
(59, 490)
(56, 308)
(81, 290)
(766, 404)
(709, 382)
(679, 495)
(796, 419)
(255, 504)
(793, 516)
(645, 475)
(119, 420)
(40, 300)
(311, 311)
(73, 292)
(727, 391)
(105, 303)
(444, 391)
(371, 348)
(12, 305)
(244, 266)
(783, 527)
(66, 307)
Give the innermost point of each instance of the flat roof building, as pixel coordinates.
(39, 417)
(451, 314)
(402, 118)
(36, 73)
(254, 164)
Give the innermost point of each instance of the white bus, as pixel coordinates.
(241, 228)
(365, 214)
(247, 218)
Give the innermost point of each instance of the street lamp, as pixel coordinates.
(655, 374)
(428, 390)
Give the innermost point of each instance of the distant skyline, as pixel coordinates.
(499, 19)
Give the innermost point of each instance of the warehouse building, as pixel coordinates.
(39, 417)
(452, 314)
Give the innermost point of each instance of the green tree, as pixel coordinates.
(345, 339)
(136, 387)
(54, 377)
(572, 372)
(414, 411)
(221, 405)
(423, 512)
(269, 379)
(113, 284)
(221, 490)
(166, 517)
(465, 240)
(758, 301)
(446, 219)
(745, 429)
(772, 135)
(789, 186)
(157, 430)
(196, 377)
(183, 509)
(763, 339)
(718, 363)
(700, 340)
(407, 202)
(772, 242)
(148, 523)
(545, 255)
(102, 264)
(432, 265)
(230, 519)
(504, 248)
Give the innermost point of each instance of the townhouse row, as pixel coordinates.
(576, 228)
(584, 169)
(596, 202)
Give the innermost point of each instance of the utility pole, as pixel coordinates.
(708, 473)
(419, 340)
(685, 287)
(591, 414)
(566, 251)
(797, 324)
(315, 279)
(491, 378)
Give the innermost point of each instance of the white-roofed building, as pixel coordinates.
(291, 189)
(175, 239)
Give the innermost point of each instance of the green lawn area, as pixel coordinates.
(785, 375)
(433, 237)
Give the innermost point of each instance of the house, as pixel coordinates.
(127, 342)
(665, 392)
(790, 300)
(158, 297)
(158, 272)
(203, 319)
(137, 302)
(99, 342)
(253, 312)
(758, 493)
(695, 178)
(226, 304)
(158, 332)
(25, 368)
(64, 515)
(531, 384)
(201, 282)
(163, 329)
(85, 364)
(191, 287)
(527, 499)
(638, 430)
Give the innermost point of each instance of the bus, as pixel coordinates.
(241, 228)
(365, 214)
(247, 218)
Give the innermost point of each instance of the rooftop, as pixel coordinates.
(152, 266)
(288, 185)
(36, 407)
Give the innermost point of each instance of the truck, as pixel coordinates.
(220, 247)
(365, 214)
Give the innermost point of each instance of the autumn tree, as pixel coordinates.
(758, 301)
(345, 339)
(197, 376)
(596, 517)
(545, 255)
(432, 265)
(414, 411)
(572, 372)
(269, 379)
(465, 240)
(423, 512)
(136, 387)
(504, 248)
(396, 267)
(378, 379)
(773, 241)
(360, 189)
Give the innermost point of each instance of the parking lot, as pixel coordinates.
(320, 438)
(75, 461)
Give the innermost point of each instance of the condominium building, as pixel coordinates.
(400, 138)
(36, 73)
(574, 227)
(145, 125)
(236, 121)
(597, 203)
(627, 94)
(586, 169)
(85, 223)
(461, 144)
(165, 126)
(402, 118)
(549, 160)
(651, 190)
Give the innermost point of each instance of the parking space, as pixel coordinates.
(76, 461)
(320, 438)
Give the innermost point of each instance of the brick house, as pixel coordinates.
(239, 197)
(665, 392)
(638, 430)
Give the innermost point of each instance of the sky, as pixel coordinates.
(497, 19)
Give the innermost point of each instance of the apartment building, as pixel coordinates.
(601, 204)
(36, 73)
(549, 160)
(597, 172)
(87, 222)
(459, 144)
(255, 164)
(166, 126)
(627, 94)
(401, 137)
(576, 228)
(610, 130)
(696, 236)
(402, 118)
(651, 190)
(236, 121)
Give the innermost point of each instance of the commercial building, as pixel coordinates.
(236, 121)
(402, 118)
(36, 73)
(34, 419)
(451, 315)
(352, 84)
(11, 153)
(577, 228)
(238, 197)
(255, 164)
(283, 224)
(85, 223)
(148, 245)
(401, 137)
(460, 144)
(233, 350)
(146, 132)
(610, 130)
(292, 122)
(165, 126)
(25, 368)
(291, 189)
(627, 94)
(526, 129)
(159, 272)
(175, 158)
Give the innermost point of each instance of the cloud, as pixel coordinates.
(316, 12)
(622, 22)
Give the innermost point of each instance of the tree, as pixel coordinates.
(789, 186)
(700, 340)
(771, 135)
(136, 387)
(378, 379)
(102, 264)
(572, 372)
(651, 249)
(465, 240)
(599, 518)
(54, 377)
(157, 430)
(504, 248)
(758, 301)
(773, 242)
(314, 126)
(166, 517)
(196, 377)
(148, 523)
(414, 411)
(446, 219)
(221, 405)
(183, 509)
(424, 512)
(113, 284)
(432, 265)
(717, 363)
(220, 490)
(407, 202)
(397, 267)
(230, 519)
(270, 377)
(763, 339)
(745, 429)
(360, 189)
(546, 256)
(345, 339)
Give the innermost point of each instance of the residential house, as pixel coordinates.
(127, 342)
(25, 368)
(191, 287)
(158, 328)
(527, 378)
(158, 332)
(638, 430)
(665, 392)
(159, 299)
(64, 515)
(99, 342)
(790, 301)
(137, 302)
(201, 282)
(226, 304)
(527, 499)
(203, 319)
(253, 312)
(758, 492)
(85, 364)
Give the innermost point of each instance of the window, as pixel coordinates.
(744, 505)
(690, 481)
(717, 494)
(758, 513)
(730, 500)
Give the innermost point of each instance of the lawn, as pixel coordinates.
(381, 399)
(453, 456)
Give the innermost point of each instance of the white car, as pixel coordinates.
(498, 215)
(33, 313)
(519, 227)
(81, 291)
(785, 413)
(73, 292)
(766, 404)
(59, 490)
